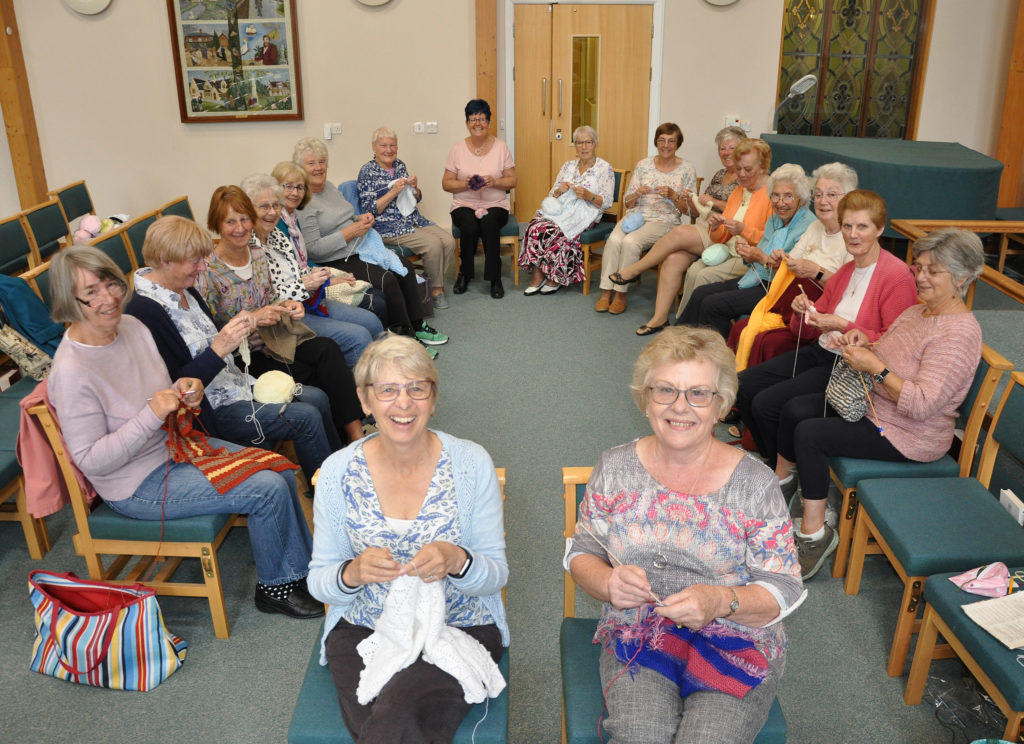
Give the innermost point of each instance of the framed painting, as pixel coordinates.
(236, 60)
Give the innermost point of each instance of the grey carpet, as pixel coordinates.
(541, 382)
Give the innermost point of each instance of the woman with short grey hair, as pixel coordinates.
(391, 195)
(583, 189)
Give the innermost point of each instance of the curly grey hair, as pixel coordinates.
(794, 175)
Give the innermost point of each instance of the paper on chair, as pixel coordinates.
(1003, 617)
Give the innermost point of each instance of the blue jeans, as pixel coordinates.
(281, 543)
(306, 421)
(351, 328)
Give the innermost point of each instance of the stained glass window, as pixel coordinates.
(863, 52)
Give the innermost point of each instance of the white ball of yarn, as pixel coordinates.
(274, 387)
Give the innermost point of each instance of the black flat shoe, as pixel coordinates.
(461, 283)
(646, 330)
(298, 604)
(616, 278)
(497, 291)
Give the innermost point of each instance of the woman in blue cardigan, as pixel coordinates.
(407, 505)
(717, 305)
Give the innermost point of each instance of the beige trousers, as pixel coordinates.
(434, 245)
(621, 249)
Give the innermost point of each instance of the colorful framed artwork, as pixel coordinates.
(236, 60)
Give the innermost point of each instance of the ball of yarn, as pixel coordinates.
(550, 206)
(274, 387)
(91, 224)
(633, 221)
(714, 254)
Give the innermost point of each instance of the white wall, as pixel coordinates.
(105, 105)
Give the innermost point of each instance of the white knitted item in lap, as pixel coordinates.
(411, 623)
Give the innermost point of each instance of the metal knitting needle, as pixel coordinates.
(618, 560)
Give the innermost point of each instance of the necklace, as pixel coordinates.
(855, 278)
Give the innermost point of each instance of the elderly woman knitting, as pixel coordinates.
(583, 189)
(408, 522)
(687, 542)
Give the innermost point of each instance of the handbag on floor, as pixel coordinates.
(848, 391)
(99, 634)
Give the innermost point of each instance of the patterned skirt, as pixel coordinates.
(559, 258)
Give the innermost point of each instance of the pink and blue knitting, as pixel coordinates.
(712, 658)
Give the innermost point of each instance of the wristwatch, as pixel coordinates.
(734, 606)
(880, 377)
(819, 275)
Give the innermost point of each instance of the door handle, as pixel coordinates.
(544, 97)
(559, 96)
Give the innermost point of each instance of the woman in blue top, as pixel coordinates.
(718, 304)
(407, 503)
(397, 218)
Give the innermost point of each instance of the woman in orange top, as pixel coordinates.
(746, 212)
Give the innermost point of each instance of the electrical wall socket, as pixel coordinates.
(431, 127)
(335, 128)
(1012, 504)
(418, 127)
(731, 120)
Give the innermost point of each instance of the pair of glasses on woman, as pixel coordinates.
(389, 391)
(698, 397)
(115, 289)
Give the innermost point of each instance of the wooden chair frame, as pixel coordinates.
(171, 553)
(865, 531)
(14, 509)
(998, 365)
(591, 259)
(571, 478)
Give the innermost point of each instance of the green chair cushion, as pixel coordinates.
(20, 389)
(510, 229)
(941, 524)
(597, 233)
(317, 717)
(582, 698)
(852, 471)
(998, 662)
(106, 524)
(10, 420)
(9, 467)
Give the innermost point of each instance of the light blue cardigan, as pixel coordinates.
(478, 499)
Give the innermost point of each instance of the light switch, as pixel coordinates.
(431, 127)
(418, 127)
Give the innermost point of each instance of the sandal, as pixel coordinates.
(616, 278)
(646, 330)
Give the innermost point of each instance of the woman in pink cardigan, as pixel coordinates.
(922, 366)
(866, 295)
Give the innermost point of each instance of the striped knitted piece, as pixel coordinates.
(712, 658)
(223, 469)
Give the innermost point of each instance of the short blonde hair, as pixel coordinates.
(172, 239)
(684, 344)
(286, 169)
(402, 353)
(64, 266)
(754, 144)
(314, 145)
(381, 132)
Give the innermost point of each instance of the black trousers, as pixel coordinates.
(717, 305)
(320, 363)
(401, 293)
(473, 229)
(809, 439)
(419, 705)
(766, 388)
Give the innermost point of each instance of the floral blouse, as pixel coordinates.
(718, 189)
(373, 184)
(658, 208)
(227, 294)
(438, 520)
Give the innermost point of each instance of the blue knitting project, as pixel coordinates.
(371, 248)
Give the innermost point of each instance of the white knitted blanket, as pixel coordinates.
(411, 623)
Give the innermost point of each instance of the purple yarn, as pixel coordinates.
(476, 182)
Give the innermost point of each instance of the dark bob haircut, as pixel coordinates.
(478, 106)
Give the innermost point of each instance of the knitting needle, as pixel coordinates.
(618, 560)
(187, 392)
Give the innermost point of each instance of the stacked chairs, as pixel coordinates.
(582, 698)
(847, 472)
(927, 526)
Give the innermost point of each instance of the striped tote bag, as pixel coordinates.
(99, 634)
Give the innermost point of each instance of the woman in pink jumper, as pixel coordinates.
(922, 366)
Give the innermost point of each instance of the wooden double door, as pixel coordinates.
(573, 65)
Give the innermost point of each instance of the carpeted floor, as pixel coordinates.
(541, 382)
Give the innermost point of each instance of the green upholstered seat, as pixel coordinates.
(10, 416)
(941, 524)
(999, 662)
(15, 248)
(112, 244)
(852, 470)
(135, 232)
(20, 389)
(317, 717)
(106, 524)
(9, 467)
(179, 207)
(46, 221)
(597, 233)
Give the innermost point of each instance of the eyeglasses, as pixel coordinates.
(830, 195)
(665, 141)
(297, 187)
(698, 397)
(477, 120)
(584, 142)
(268, 207)
(389, 391)
(115, 289)
(784, 198)
(928, 271)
